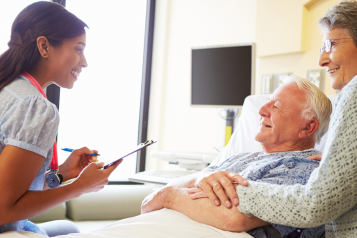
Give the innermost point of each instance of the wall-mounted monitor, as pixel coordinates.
(222, 76)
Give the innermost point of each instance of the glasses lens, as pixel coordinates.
(327, 45)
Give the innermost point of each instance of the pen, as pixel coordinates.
(70, 150)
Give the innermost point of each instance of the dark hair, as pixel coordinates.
(38, 19)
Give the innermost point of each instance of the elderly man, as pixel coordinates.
(294, 119)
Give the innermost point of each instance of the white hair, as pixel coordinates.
(317, 105)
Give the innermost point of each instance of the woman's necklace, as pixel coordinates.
(53, 178)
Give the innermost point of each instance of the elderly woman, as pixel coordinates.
(330, 196)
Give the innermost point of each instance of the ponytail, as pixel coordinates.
(38, 19)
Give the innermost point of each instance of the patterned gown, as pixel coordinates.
(289, 168)
(330, 195)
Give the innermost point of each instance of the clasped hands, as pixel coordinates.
(219, 187)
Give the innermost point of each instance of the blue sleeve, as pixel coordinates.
(30, 124)
(331, 191)
(213, 167)
(309, 232)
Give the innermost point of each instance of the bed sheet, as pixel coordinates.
(159, 224)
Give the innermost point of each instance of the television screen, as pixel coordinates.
(222, 76)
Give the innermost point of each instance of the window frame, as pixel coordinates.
(53, 92)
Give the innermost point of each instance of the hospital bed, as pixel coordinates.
(169, 223)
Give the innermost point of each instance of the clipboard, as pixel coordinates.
(139, 147)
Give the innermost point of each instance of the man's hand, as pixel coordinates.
(218, 185)
(203, 211)
(154, 201)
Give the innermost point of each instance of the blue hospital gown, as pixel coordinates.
(28, 121)
(330, 195)
(287, 168)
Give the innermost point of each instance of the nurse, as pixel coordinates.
(46, 46)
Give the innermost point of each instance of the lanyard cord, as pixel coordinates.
(54, 162)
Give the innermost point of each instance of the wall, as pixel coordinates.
(296, 61)
(292, 42)
(279, 31)
(179, 26)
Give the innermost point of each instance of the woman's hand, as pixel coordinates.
(218, 187)
(76, 162)
(197, 193)
(315, 157)
(93, 178)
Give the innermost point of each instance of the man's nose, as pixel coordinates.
(324, 59)
(263, 111)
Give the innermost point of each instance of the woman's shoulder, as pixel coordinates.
(21, 88)
(20, 100)
(21, 91)
(348, 92)
(27, 119)
(346, 101)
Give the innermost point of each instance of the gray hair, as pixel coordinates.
(342, 15)
(317, 105)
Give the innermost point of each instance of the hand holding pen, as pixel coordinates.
(71, 150)
(77, 161)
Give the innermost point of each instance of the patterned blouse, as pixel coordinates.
(287, 168)
(330, 195)
(28, 121)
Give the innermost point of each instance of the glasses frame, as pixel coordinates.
(327, 45)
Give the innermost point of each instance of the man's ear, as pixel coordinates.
(43, 46)
(309, 129)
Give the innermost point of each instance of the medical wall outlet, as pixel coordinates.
(267, 84)
(270, 82)
(317, 77)
(280, 79)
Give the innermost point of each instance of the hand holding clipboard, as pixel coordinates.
(139, 147)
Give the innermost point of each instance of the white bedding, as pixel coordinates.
(163, 223)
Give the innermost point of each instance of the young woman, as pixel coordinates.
(46, 46)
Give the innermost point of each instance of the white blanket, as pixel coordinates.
(163, 223)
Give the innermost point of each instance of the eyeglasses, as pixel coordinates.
(327, 45)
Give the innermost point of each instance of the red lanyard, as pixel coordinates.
(54, 162)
